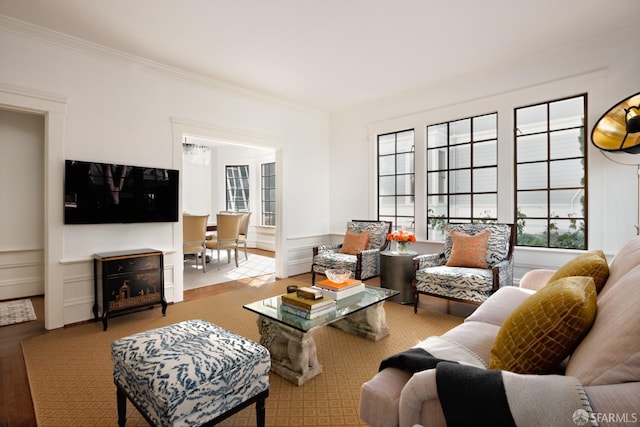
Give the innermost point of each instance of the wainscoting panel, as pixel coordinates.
(21, 273)
(78, 291)
(262, 237)
(300, 252)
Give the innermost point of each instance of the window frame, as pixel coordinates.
(550, 218)
(267, 217)
(231, 190)
(409, 221)
(435, 223)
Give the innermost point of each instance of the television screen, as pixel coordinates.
(97, 193)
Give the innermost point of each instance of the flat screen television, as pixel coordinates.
(98, 193)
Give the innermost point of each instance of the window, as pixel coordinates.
(237, 187)
(551, 179)
(462, 172)
(268, 193)
(396, 186)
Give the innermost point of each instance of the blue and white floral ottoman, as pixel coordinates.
(190, 374)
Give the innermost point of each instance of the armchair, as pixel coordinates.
(456, 274)
(362, 258)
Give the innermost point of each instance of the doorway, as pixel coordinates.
(53, 108)
(22, 223)
(208, 189)
(210, 185)
(231, 138)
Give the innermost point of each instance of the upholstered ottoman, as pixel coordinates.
(190, 373)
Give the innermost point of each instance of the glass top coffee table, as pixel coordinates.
(290, 340)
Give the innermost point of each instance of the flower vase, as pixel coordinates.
(402, 247)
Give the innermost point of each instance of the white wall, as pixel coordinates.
(604, 68)
(197, 185)
(115, 108)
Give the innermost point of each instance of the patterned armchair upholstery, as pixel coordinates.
(364, 264)
(433, 277)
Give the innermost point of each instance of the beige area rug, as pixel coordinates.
(70, 369)
(254, 266)
(17, 311)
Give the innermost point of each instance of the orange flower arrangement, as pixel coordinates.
(402, 236)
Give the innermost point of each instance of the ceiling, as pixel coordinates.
(330, 54)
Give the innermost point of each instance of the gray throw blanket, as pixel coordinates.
(413, 360)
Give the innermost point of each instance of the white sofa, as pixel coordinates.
(605, 365)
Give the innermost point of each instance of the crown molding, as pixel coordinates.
(33, 93)
(70, 42)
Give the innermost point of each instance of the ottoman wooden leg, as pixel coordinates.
(260, 413)
(122, 408)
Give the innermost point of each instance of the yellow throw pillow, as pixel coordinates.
(354, 242)
(593, 264)
(468, 251)
(546, 327)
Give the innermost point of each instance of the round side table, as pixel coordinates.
(396, 272)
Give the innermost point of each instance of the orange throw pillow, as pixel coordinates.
(468, 251)
(354, 242)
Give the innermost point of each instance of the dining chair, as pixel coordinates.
(212, 234)
(194, 230)
(244, 230)
(228, 228)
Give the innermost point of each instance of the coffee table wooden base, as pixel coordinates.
(293, 353)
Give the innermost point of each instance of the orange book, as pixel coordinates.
(328, 284)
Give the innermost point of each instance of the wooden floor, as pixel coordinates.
(16, 407)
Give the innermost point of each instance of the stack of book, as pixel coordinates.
(307, 303)
(338, 291)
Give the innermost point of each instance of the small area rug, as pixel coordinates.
(17, 311)
(70, 369)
